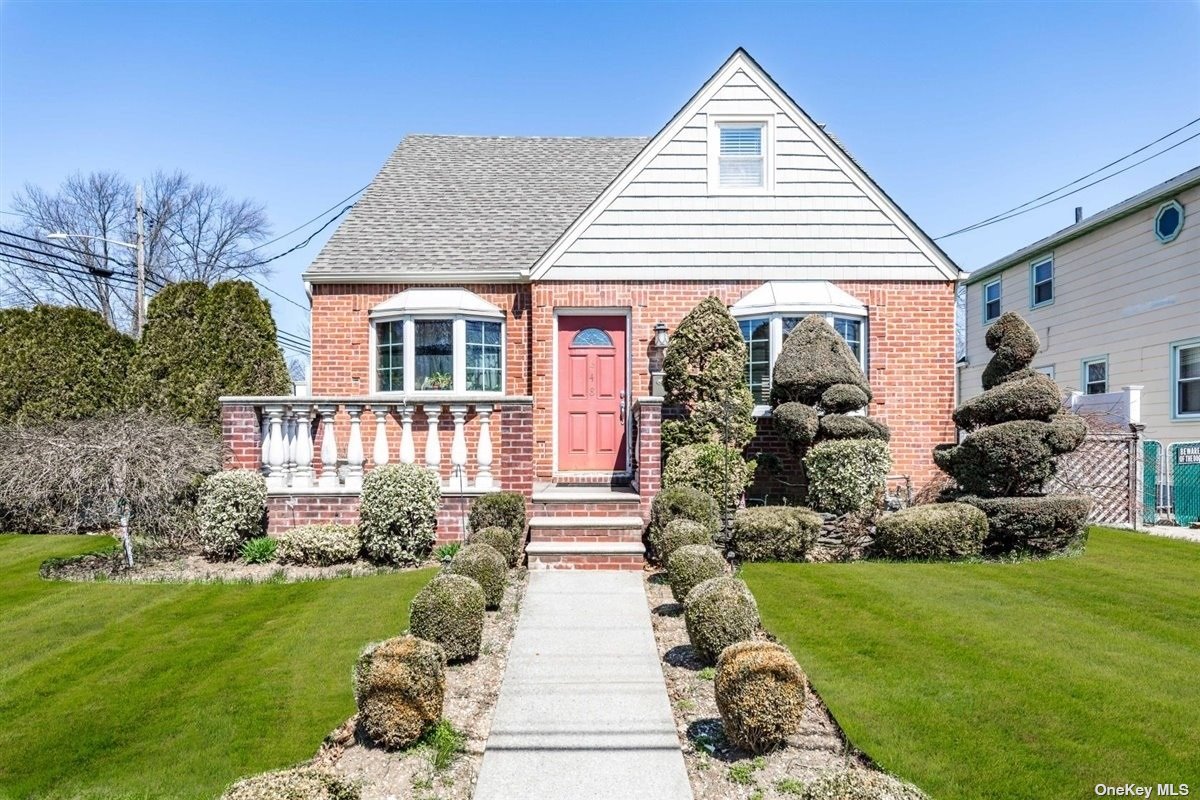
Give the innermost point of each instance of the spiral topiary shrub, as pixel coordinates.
(319, 545)
(499, 539)
(775, 533)
(1035, 397)
(683, 502)
(676, 534)
(486, 566)
(943, 531)
(1014, 345)
(847, 475)
(858, 784)
(231, 509)
(499, 509)
(398, 513)
(297, 783)
(399, 686)
(717, 470)
(719, 612)
(760, 692)
(1015, 458)
(690, 565)
(449, 612)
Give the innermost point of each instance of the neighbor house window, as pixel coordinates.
(389, 356)
(1047, 370)
(484, 356)
(1185, 369)
(757, 333)
(991, 301)
(1168, 221)
(762, 348)
(1042, 282)
(1095, 376)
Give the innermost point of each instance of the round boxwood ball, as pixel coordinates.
(399, 686)
(676, 534)
(760, 692)
(486, 566)
(449, 611)
(500, 539)
(691, 565)
(719, 612)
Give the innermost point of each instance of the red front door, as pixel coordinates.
(592, 401)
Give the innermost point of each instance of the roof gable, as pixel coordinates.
(818, 184)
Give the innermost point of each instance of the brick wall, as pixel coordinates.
(286, 511)
(910, 330)
(647, 477)
(241, 435)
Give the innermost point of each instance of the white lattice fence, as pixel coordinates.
(1106, 468)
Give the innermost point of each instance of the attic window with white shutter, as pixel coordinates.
(739, 157)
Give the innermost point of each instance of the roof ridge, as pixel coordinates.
(520, 138)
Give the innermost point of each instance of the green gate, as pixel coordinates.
(1185, 472)
(1152, 474)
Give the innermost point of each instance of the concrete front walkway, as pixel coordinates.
(583, 711)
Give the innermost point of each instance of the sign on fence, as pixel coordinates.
(1185, 469)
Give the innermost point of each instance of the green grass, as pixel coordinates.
(1031, 680)
(112, 690)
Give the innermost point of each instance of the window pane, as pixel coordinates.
(851, 331)
(1043, 293)
(1189, 362)
(433, 351)
(789, 324)
(757, 333)
(1189, 397)
(992, 310)
(1043, 271)
(741, 140)
(483, 357)
(389, 356)
(741, 171)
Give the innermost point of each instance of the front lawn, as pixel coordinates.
(111, 690)
(1032, 680)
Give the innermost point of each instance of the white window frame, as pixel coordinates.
(1177, 348)
(459, 339)
(715, 123)
(999, 301)
(775, 319)
(1034, 283)
(1084, 383)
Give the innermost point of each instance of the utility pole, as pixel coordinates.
(139, 311)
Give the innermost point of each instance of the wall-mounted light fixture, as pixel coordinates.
(659, 346)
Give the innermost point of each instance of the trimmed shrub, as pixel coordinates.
(690, 565)
(859, 784)
(499, 509)
(319, 545)
(202, 342)
(399, 686)
(1014, 345)
(499, 539)
(298, 783)
(260, 550)
(398, 513)
(676, 534)
(719, 612)
(843, 397)
(717, 470)
(797, 423)
(1034, 525)
(814, 358)
(60, 363)
(232, 508)
(702, 374)
(484, 565)
(843, 426)
(775, 533)
(932, 533)
(448, 611)
(683, 502)
(1035, 397)
(846, 475)
(761, 692)
(1011, 458)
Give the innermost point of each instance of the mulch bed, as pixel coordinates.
(718, 770)
(472, 689)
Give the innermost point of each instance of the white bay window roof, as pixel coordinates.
(434, 302)
(808, 297)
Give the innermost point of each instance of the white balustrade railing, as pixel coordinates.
(289, 428)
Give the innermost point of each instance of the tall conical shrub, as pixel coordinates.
(1017, 430)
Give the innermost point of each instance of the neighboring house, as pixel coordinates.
(520, 289)
(1115, 299)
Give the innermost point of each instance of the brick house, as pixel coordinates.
(495, 307)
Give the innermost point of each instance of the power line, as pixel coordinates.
(59, 270)
(1016, 211)
(311, 221)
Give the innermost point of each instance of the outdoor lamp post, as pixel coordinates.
(659, 345)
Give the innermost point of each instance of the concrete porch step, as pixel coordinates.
(586, 555)
(586, 501)
(586, 529)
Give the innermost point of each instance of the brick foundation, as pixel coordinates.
(286, 511)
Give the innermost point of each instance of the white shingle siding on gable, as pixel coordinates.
(817, 217)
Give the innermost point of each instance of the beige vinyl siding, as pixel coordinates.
(816, 223)
(1118, 292)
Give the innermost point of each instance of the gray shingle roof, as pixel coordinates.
(478, 203)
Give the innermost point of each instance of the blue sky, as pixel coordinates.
(959, 110)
